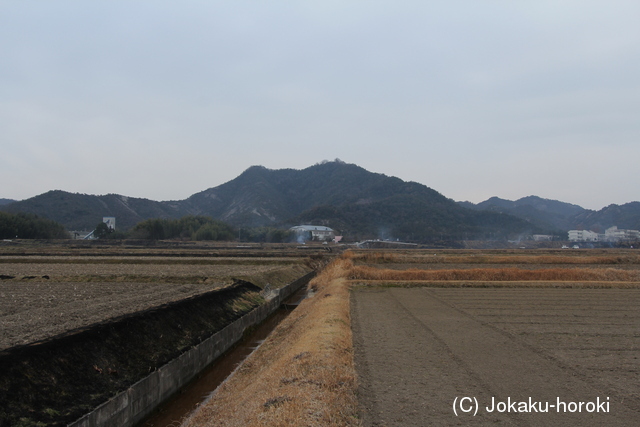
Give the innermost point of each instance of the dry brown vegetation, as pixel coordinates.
(545, 268)
(303, 374)
(495, 274)
(601, 257)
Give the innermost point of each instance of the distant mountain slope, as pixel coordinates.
(84, 212)
(544, 205)
(625, 216)
(6, 201)
(261, 196)
(356, 202)
(544, 213)
(411, 218)
(348, 198)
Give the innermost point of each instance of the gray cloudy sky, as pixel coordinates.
(474, 99)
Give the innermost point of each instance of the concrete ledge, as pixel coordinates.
(138, 401)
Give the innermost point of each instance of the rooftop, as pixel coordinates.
(311, 228)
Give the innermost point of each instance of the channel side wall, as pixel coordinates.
(138, 401)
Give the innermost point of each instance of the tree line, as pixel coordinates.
(30, 226)
(187, 228)
(198, 228)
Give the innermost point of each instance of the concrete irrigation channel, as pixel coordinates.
(132, 405)
(188, 399)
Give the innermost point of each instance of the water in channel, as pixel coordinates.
(176, 409)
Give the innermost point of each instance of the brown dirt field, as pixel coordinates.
(33, 311)
(43, 296)
(57, 381)
(158, 258)
(418, 349)
(169, 271)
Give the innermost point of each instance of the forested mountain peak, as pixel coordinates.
(343, 196)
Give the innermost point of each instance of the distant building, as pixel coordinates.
(611, 234)
(542, 237)
(313, 232)
(110, 221)
(614, 234)
(583, 236)
(81, 234)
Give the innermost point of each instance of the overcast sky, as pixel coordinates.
(477, 98)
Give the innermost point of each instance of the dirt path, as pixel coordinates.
(419, 349)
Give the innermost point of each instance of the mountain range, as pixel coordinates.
(346, 197)
(563, 216)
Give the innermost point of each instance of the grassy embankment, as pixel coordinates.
(303, 374)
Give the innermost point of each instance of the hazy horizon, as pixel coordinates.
(534, 195)
(162, 100)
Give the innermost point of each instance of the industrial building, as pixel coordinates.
(314, 232)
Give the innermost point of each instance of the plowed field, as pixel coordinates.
(43, 296)
(572, 350)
